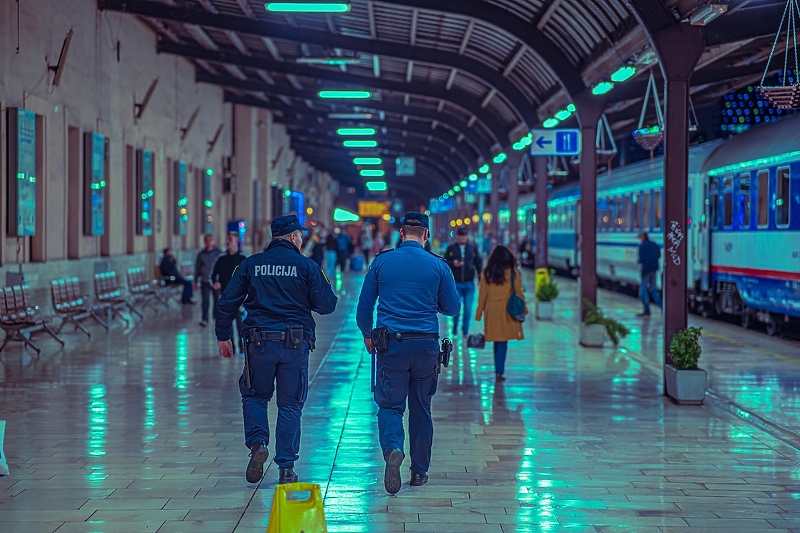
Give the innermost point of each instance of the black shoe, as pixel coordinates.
(499, 377)
(417, 480)
(286, 475)
(391, 477)
(255, 468)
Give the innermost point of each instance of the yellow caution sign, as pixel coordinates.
(293, 512)
(542, 277)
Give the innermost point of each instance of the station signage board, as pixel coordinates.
(556, 142)
(373, 209)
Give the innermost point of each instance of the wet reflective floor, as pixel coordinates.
(141, 431)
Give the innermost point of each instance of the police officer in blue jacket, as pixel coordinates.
(280, 287)
(412, 286)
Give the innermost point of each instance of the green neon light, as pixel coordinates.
(571, 108)
(603, 87)
(484, 169)
(551, 123)
(360, 144)
(287, 193)
(208, 203)
(343, 215)
(764, 161)
(209, 172)
(367, 161)
(499, 158)
(473, 177)
(445, 196)
(451, 192)
(373, 173)
(356, 131)
(463, 183)
(377, 186)
(457, 188)
(563, 115)
(623, 74)
(307, 7)
(348, 95)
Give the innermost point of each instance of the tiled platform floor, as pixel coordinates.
(141, 431)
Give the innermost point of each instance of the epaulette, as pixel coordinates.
(384, 251)
(437, 256)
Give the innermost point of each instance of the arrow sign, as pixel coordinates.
(554, 142)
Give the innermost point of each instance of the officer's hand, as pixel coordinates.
(457, 263)
(368, 344)
(217, 286)
(225, 349)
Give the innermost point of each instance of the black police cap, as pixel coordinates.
(415, 218)
(462, 231)
(285, 225)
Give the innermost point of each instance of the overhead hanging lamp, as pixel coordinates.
(650, 137)
(786, 95)
(605, 145)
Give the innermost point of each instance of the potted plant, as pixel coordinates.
(545, 294)
(686, 383)
(596, 325)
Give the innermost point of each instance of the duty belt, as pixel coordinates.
(411, 335)
(266, 336)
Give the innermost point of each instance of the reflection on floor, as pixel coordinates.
(141, 431)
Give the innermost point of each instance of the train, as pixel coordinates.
(743, 227)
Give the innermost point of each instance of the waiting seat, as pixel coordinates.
(72, 306)
(18, 314)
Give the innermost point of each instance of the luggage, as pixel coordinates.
(476, 341)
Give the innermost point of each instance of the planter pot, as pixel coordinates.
(687, 387)
(593, 335)
(544, 310)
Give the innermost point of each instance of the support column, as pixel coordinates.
(494, 210)
(514, 161)
(589, 112)
(481, 224)
(540, 188)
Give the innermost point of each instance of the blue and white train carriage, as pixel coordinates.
(743, 232)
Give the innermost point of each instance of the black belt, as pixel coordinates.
(411, 335)
(265, 336)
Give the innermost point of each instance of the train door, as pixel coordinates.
(697, 233)
(709, 221)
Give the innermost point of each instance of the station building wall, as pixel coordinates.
(110, 65)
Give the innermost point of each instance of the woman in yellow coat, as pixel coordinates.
(493, 295)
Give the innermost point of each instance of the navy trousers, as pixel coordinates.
(271, 363)
(407, 371)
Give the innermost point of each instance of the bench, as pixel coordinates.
(71, 306)
(108, 291)
(140, 284)
(18, 315)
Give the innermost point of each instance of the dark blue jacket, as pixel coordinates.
(413, 286)
(649, 254)
(281, 286)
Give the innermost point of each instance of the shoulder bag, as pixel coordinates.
(516, 305)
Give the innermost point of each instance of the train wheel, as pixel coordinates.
(747, 318)
(773, 326)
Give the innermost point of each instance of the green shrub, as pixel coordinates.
(547, 292)
(685, 348)
(615, 330)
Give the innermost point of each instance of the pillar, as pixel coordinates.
(514, 162)
(540, 188)
(494, 211)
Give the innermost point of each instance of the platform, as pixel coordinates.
(141, 431)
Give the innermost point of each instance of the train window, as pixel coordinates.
(782, 199)
(621, 212)
(727, 202)
(713, 204)
(657, 209)
(744, 202)
(763, 198)
(635, 213)
(646, 211)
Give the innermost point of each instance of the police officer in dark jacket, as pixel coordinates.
(649, 254)
(466, 264)
(280, 288)
(414, 285)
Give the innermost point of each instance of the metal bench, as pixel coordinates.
(107, 290)
(17, 315)
(72, 307)
(150, 290)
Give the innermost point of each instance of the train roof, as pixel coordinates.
(766, 140)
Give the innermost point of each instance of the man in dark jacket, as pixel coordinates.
(466, 264)
(649, 254)
(223, 271)
(279, 288)
(202, 275)
(170, 274)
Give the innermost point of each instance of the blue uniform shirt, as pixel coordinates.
(413, 286)
(281, 286)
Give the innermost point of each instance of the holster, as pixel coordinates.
(380, 340)
(444, 355)
(294, 337)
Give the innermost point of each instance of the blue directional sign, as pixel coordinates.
(556, 142)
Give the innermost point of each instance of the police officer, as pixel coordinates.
(280, 288)
(413, 286)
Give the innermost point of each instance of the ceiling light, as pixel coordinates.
(445, 196)
(376, 186)
(624, 73)
(484, 169)
(563, 115)
(456, 188)
(551, 123)
(360, 144)
(603, 87)
(463, 183)
(367, 161)
(346, 95)
(451, 192)
(329, 60)
(350, 116)
(499, 158)
(343, 215)
(707, 13)
(473, 177)
(373, 173)
(356, 131)
(307, 7)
